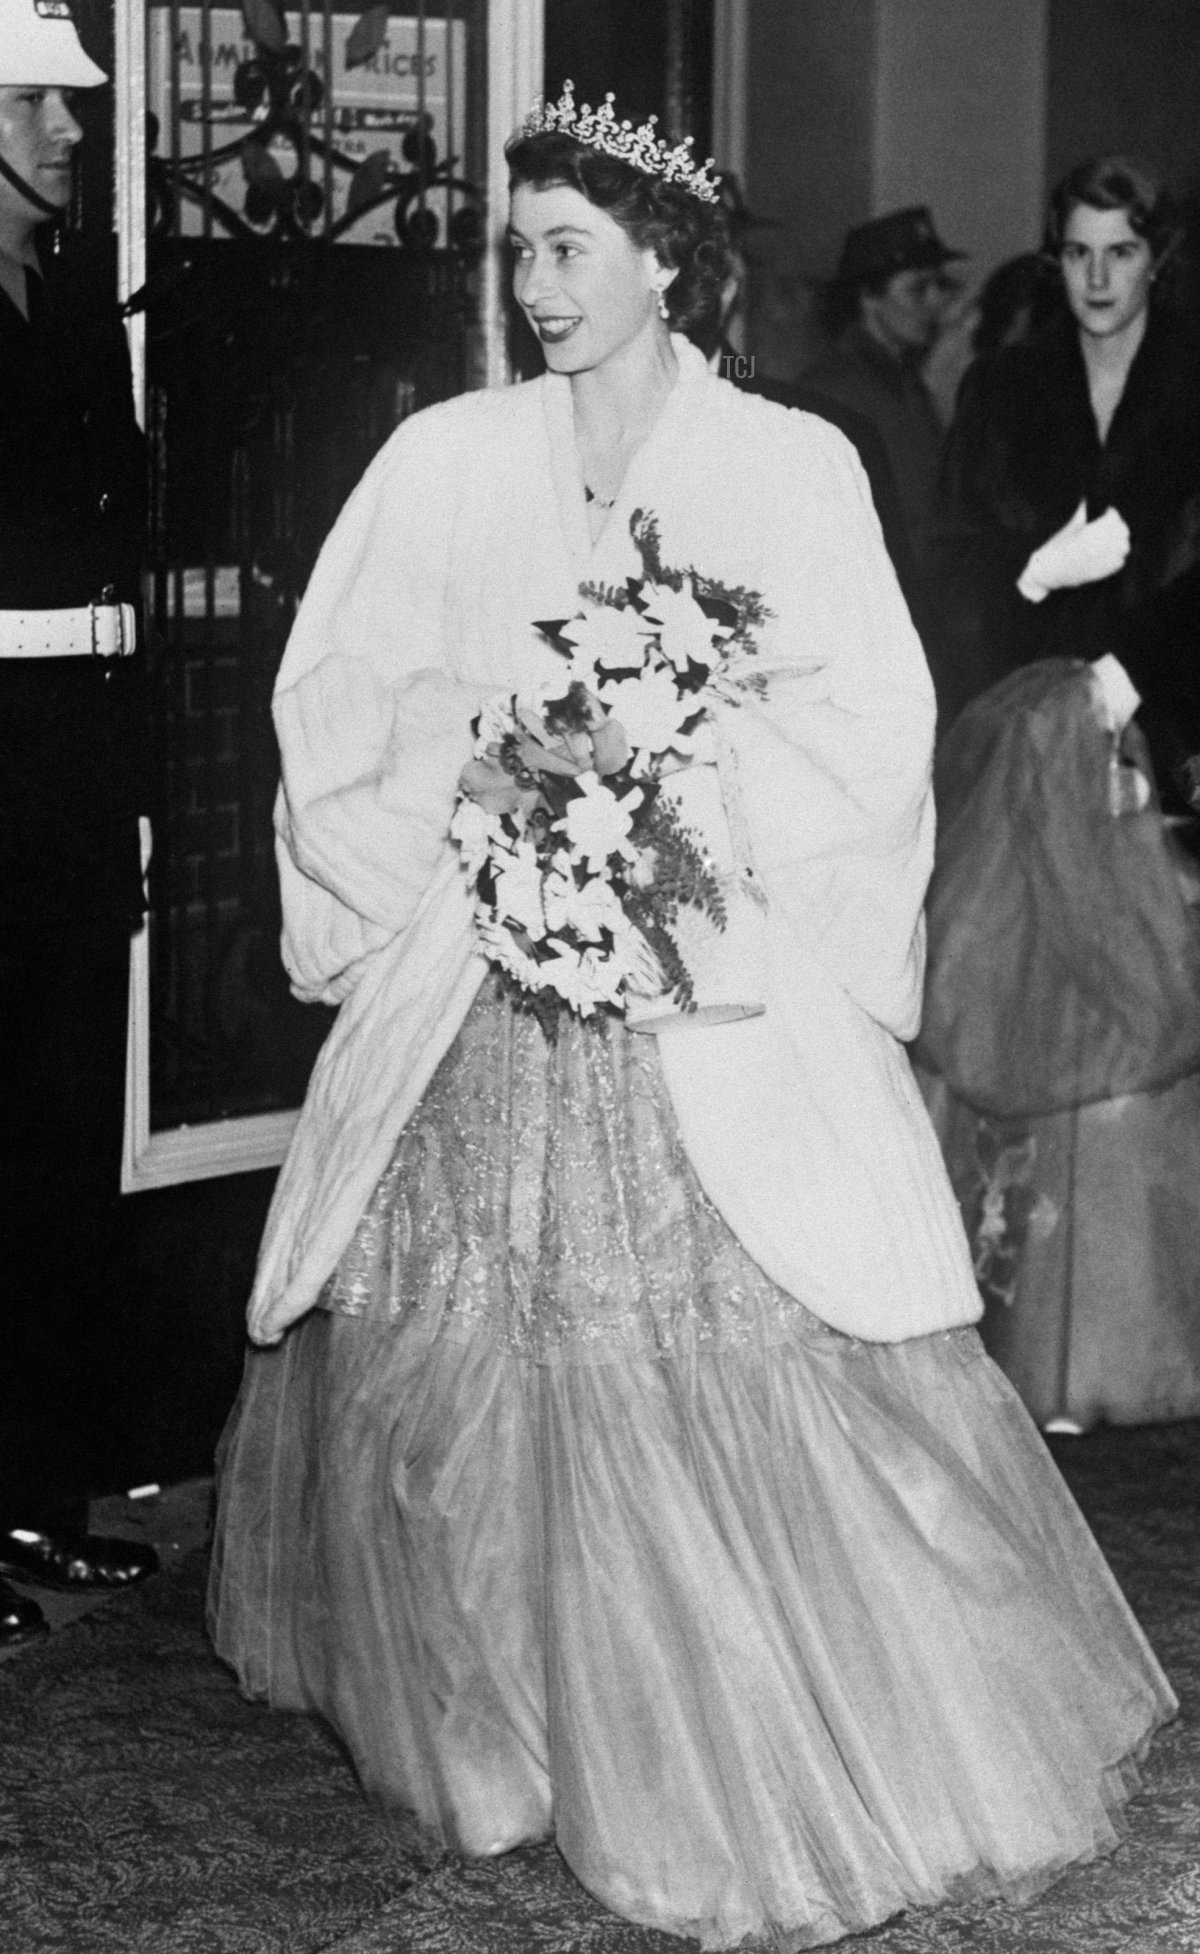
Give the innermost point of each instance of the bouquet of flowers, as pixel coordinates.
(585, 873)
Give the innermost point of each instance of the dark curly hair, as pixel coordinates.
(688, 236)
(1016, 301)
(1113, 182)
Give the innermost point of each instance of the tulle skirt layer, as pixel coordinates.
(1060, 1052)
(776, 1632)
(1085, 1233)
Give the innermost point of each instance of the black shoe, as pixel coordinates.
(74, 1560)
(20, 1619)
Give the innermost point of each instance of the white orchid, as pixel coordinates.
(502, 947)
(582, 978)
(495, 721)
(606, 639)
(519, 889)
(587, 911)
(563, 972)
(474, 830)
(684, 632)
(605, 976)
(650, 709)
(597, 824)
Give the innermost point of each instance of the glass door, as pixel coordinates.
(305, 209)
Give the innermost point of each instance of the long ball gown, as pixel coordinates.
(570, 1522)
(1059, 1053)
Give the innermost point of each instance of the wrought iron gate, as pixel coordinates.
(313, 269)
(314, 236)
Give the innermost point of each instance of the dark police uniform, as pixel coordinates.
(72, 753)
(889, 392)
(864, 436)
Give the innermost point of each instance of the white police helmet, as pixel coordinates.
(39, 47)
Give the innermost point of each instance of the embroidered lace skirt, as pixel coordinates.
(571, 1523)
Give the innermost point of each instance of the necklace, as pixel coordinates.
(601, 501)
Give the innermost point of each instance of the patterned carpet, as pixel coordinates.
(146, 1809)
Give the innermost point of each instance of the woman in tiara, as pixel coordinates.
(621, 1464)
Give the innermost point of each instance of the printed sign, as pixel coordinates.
(374, 104)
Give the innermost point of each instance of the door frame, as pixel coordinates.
(515, 39)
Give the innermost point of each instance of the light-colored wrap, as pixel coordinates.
(804, 1126)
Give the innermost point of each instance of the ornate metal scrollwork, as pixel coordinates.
(291, 163)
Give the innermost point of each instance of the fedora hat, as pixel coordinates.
(39, 47)
(902, 240)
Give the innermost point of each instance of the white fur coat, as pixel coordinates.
(804, 1125)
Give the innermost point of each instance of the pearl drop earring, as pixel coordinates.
(664, 310)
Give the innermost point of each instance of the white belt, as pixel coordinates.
(86, 631)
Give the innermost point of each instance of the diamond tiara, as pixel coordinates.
(642, 148)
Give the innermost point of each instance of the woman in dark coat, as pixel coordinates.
(1060, 1050)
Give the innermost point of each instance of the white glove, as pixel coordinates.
(1115, 697)
(1114, 700)
(1080, 552)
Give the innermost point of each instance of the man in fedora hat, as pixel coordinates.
(724, 358)
(884, 308)
(72, 502)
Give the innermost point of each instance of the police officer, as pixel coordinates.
(72, 496)
(714, 338)
(885, 308)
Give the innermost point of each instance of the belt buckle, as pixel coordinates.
(94, 610)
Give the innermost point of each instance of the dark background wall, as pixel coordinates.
(184, 1267)
(1125, 74)
(656, 58)
(810, 134)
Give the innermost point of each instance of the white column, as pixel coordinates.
(730, 52)
(129, 176)
(515, 61)
(960, 120)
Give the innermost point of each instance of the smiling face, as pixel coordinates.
(586, 289)
(1107, 270)
(38, 134)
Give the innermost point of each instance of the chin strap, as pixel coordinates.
(27, 190)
